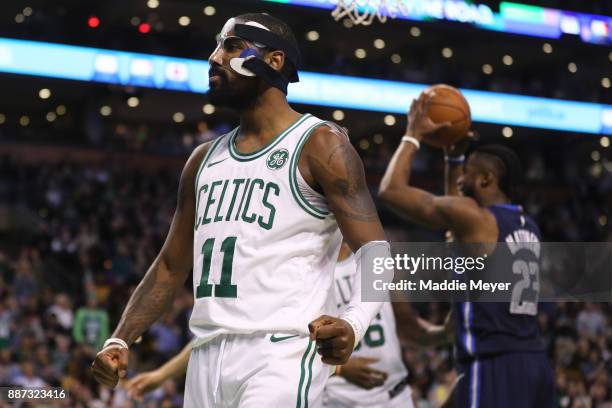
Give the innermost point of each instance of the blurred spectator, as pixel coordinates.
(27, 379)
(591, 322)
(91, 325)
(62, 311)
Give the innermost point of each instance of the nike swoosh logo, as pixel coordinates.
(217, 162)
(274, 339)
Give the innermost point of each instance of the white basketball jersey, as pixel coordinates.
(379, 341)
(265, 243)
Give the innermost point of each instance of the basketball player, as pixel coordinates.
(499, 352)
(375, 375)
(259, 218)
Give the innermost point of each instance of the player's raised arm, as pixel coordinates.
(456, 213)
(156, 291)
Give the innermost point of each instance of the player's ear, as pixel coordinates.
(276, 59)
(487, 179)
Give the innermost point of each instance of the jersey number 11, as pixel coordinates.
(224, 288)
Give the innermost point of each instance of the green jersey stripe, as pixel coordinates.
(302, 374)
(309, 378)
(265, 149)
(297, 194)
(197, 178)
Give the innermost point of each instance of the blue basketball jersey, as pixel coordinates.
(488, 328)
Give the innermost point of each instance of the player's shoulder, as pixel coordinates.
(326, 131)
(325, 137)
(197, 157)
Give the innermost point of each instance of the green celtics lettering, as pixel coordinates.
(237, 200)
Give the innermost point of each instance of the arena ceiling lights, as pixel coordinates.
(189, 75)
(514, 18)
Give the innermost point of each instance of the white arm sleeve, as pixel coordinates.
(359, 314)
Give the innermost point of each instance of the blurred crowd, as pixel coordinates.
(78, 236)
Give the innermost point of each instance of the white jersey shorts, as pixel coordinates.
(256, 370)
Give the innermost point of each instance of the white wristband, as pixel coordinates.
(412, 140)
(354, 323)
(115, 340)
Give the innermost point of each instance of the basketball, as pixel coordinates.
(447, 104)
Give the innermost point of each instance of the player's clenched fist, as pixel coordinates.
(110, 364)
(335, 339)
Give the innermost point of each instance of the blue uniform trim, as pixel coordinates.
(512, 207)
(474, 384)
(467, 323)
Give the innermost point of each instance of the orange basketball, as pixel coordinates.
(447, 104)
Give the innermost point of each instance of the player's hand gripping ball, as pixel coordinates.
(440, 117)
(335, 339)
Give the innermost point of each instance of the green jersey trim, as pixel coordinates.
(265, 149)
(197, 179)
(295, 190)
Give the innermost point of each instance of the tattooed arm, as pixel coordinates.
(330, 164)
(156, 291)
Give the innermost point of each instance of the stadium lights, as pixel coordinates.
(44, 93)
(338, 114)
(547, 48)
(60, 110)
(347, 22)
(153, 4)
(379, 43)
(508, 60)
(604, 141)
(133, 101)
(19, 18)
(144, 28)
(595, 156)
(178, 117)
(135, 21)
(396, 58)
(378, 138)
(605, 82)
(447, 52)
(389, 120)
(209, 11)
(27, 11)
(2, 118)
(208, 109)
(24, 121)
(184, 21)
(572, 67)
(93, 22)
(312, 35)
(360, 53)
(364, 144)
(507, 132)
(415, 31)
(106, 110)
(51, 116)
(603, 220)
(487, 69)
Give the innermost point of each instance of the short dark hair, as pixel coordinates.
(506, 165)
(278, 27)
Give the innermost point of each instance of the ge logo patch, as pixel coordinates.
(277, 159)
